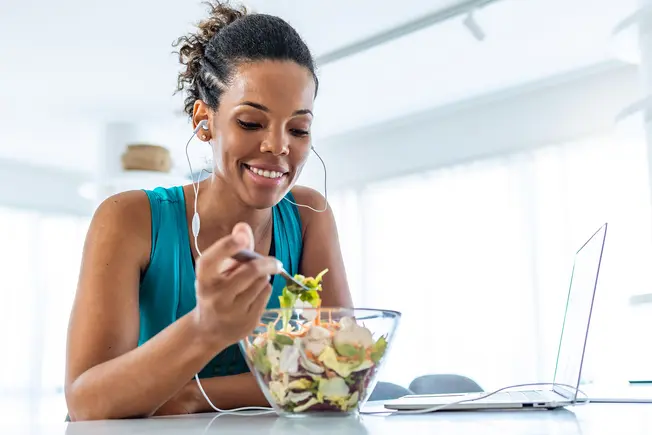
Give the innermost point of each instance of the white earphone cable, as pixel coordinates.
(479, 397)
(325, 188)
(447, 405)
(195, 232)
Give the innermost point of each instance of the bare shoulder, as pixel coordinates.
(129, 210)
(306, 196)
(131, 202)
(321, 247)
(123, 217)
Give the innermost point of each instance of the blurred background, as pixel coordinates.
(471, 146)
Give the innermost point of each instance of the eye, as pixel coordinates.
(299, 133)
(249, 125)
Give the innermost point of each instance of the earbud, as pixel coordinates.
(203, 125)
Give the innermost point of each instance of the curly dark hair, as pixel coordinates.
(228, 37)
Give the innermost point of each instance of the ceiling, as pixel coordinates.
(329, 25)
(77, 65)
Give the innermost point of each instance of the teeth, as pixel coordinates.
(264, 173)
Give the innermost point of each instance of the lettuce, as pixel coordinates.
(291, 292)
(378, 349)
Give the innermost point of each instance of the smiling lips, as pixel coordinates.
(266, 174)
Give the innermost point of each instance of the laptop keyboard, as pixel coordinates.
(507, 398)
(517, 397)
(533, 396)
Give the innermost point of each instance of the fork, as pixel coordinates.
(246, 255)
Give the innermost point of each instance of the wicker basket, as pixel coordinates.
(146, 158)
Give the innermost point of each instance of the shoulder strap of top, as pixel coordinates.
(287, 234)
(162, 295)
(169, 226)
(155, 197)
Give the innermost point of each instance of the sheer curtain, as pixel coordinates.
(478, 258)
(40, 259)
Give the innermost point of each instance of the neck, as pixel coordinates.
(220, 209)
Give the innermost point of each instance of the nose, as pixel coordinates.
(276, 142)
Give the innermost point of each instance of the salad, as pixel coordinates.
(312, 365)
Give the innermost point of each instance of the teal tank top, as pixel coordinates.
(167, 287)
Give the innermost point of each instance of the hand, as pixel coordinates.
(188, 400)
(232, 296)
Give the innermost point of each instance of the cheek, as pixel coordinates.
(218, 161)
(301, 159)
(228, 149)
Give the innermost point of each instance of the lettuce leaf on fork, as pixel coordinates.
(292, 292)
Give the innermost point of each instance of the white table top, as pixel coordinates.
(593, 419)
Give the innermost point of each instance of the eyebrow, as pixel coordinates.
(266, 109)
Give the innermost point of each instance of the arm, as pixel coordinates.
(226, 392)
(321, 248)
(107, 374)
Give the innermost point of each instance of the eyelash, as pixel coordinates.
(300, 133)
(249, 125)
(255, 126)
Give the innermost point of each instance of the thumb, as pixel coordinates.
(246, 231)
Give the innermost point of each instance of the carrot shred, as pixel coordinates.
(311, 356)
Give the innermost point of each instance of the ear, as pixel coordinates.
(201, 112)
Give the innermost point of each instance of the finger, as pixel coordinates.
(245, 298)
(245, 275)
(244, 229)
(227, 266)
(260, 302)
(214, 259)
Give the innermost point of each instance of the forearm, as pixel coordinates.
(227, 392)
(138, 382)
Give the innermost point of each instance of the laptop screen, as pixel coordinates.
(577, 317)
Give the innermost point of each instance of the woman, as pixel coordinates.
(150, 312)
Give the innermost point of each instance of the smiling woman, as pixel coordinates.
(149, 311)
(252, 140)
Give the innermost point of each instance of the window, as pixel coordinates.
(19, 297)
(60, 273)
(40, 256)
(478, 258)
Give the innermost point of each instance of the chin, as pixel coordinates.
(262, 203)
(261, 199)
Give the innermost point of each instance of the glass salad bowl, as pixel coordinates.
(319, 360)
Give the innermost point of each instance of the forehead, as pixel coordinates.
(282, 86)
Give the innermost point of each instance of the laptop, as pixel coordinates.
(570, 355)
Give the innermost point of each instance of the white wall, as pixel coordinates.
(42, 188)
(554, 111)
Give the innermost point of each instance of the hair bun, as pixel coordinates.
(220, 16)
(193, 46)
